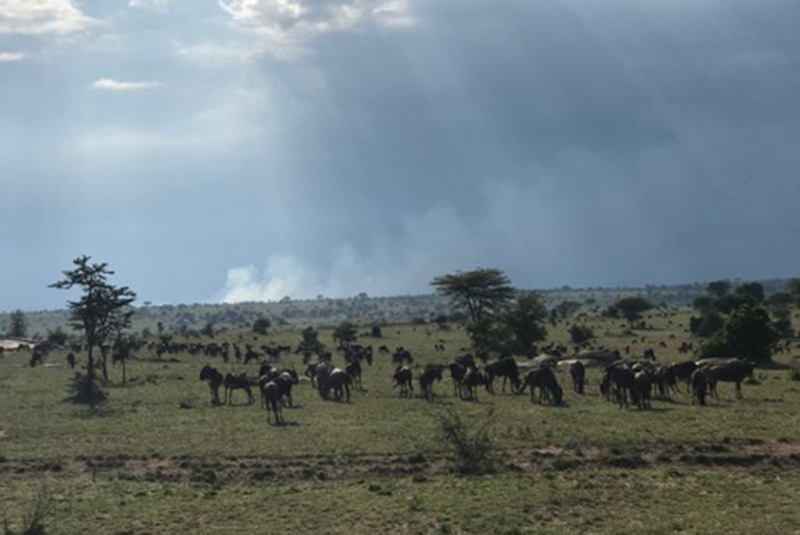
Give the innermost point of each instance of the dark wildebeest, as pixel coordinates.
(643, 386)
(321, 372)
(286, 380)
(466, 360)
(473, 378)
(505, 368)
(545, 380)
(731, 372)
(354, 371)
(457, 372)
(404, 379)
(433, 372)
(578, 372)
(338, 381)
(271, 397)
(699, 382)
(402, 356)
(619, 382)
(237, 382)
(311, 373)
(683, 370)
(71, 361)
(214, 379)
(664, 381)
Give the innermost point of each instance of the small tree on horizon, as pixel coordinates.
(19, 325)
(632, 308)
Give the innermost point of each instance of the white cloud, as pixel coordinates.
(40, 17)
(151, 5)
(114, 85)
(286, 28)
(10, 57)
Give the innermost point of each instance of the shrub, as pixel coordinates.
(474, 448)
(580, 334)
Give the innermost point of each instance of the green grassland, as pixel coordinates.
(157, 457)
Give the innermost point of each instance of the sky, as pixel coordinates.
(246, 150)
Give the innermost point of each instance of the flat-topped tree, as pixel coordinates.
(102, 311)
(480, 291)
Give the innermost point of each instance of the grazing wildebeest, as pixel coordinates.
(457, 372)
(683, 370)
(338, 381)
(433, 372)
(578, 372)
(734, 371)
(473, 378)
(505, 368)
(404, 379)
(237, 382)
(71, 361)
(545, 380)
(354, 371)
(699, 382)
(214, 379)
(271, 397)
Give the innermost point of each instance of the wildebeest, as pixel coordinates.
(473, 378)
(237, 382)
(354, 371)
(402, 356)
(433, 372)
(545, 380)
(699, 382)
(271, 397)
(214, 379)
(457, 372)
(619, 384)
(683, 370)
(643, 389)
(404, 379)
(71, 360)
(734, 371)
(577, 371)
(339, 382)
(505, 368)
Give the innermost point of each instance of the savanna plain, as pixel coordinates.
(158, 457)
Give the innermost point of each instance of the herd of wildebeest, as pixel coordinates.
(625, 381)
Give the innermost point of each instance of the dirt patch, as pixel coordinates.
(254, 470)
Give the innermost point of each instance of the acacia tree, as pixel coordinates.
(631, 308)
(481, 291)
(102, 310)
(525, 319)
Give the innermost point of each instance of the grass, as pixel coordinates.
(156, 457)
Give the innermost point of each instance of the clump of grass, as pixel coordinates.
(794, 374)
(474, 448)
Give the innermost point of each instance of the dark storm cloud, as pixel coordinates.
(367, 145)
